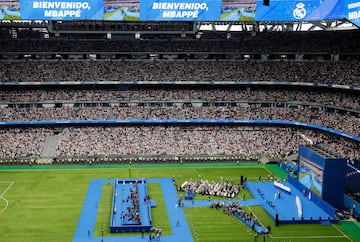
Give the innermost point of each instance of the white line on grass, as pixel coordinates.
(255, 216)
(2, 196)
(341, 232)
(259, 220)
(307, 237)
(267, 169)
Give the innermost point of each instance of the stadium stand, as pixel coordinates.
(322, 72)
(328, 109)
(243, 142)
(70, 75)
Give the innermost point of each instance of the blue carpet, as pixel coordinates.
(86, 223)
(87, 220)
(179, 233)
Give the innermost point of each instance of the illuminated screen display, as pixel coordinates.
(242, 10)
(181, 10)
(62, 9)
(310, 175)
(352, 11)
(9, 9)
(122, 10)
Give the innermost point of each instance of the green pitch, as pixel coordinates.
(44, 204)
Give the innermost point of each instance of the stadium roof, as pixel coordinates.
(161, 27)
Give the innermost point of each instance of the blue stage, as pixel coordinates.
(130, 207)
(284, 206)
(281, 203)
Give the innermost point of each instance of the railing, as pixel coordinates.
(131, 159)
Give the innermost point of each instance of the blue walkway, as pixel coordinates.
(87, 220)
(179, 233)
(86, 223)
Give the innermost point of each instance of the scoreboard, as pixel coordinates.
(181, 10)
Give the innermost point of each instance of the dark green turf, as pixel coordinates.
(353, 228)
(275, 169)
(104, 211)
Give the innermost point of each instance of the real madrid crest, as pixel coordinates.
(300, 11)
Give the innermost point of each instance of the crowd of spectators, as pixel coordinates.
(166, 70)
(344, 123)
(336, 109)
(199, 140)
(177, 140)
(109, 70)
(323, 72)
(22, 142)
(328, 97)
(331, 108)
(201, 70)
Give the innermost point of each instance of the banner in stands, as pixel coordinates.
(180, 10)
(352, 11)
(9, 9)
(62, 9)
(302, 10)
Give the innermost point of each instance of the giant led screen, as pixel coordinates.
(181, 10)
(238, 10)
(310, 175)
(9, 9)
(62, 9)
(122, 10)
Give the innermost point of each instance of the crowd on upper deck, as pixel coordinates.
(179, 70)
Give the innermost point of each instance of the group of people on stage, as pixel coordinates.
(226, 188)
(132, 211)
